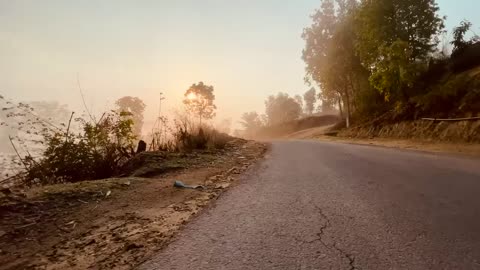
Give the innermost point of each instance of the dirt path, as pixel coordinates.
(113, 223)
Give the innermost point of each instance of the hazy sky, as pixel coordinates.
(245, 49)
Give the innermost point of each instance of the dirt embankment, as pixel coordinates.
(115, 223)
(432, 131)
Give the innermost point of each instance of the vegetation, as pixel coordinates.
(135, 107)
(199, 100)
(310, 98)
(75, 149)
(281, 108)
(373, 57)
(99, 150)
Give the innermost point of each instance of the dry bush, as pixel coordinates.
(185, 135)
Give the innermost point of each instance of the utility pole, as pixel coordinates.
(161, 123)
(157, 126)
(160, 105)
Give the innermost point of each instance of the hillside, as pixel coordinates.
(286, 129)
(449, 111)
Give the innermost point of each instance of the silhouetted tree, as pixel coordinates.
(251, 122)
(281, 108)
(199, 100)
(310, 98)
(135, 107)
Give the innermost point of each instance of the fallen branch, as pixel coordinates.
(16, 151)
(452, 119)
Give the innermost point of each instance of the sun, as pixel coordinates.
(191, 96)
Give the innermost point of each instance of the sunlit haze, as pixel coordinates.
(245, 49)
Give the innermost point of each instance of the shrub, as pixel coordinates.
(456, 95)
(199, 139)
(469, 57)
(97, 152)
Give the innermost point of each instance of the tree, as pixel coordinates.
(394, 38)
(310, 98)
(299, 100)
(199, 100)
(251, 122)
(330, 56)
(459, 43)
(135, 107)
(281, 108)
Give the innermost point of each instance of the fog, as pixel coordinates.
(86, 55)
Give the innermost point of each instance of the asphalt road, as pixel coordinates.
(319, 205)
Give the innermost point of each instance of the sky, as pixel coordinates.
(246, 49)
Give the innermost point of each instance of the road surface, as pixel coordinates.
(319, 205)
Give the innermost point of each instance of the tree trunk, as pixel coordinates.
(340, 106)
(347, 97)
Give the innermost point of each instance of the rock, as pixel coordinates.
(233, 170)
(142, 146)
(215, 177)
(222, 185)
(133, 246)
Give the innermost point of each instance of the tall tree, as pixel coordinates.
(199, 100)
(394, 37)
(330, 53)
(281, 108)
(310, 98)
(136, 107)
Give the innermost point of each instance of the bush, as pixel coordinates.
(468, 58)
(457, 95)
(199, 139)
(96, 153)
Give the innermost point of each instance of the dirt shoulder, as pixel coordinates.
(114, 223)
(466, 149)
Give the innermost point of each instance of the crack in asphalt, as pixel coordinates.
(326, 225)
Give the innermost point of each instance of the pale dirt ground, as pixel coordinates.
(79, 226)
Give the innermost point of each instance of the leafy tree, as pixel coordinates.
(281, 108)
(459, 43)
(394, 36)
(317, 38)
(310, 98)
(330, 53)
(135, 107)
(199, 100)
